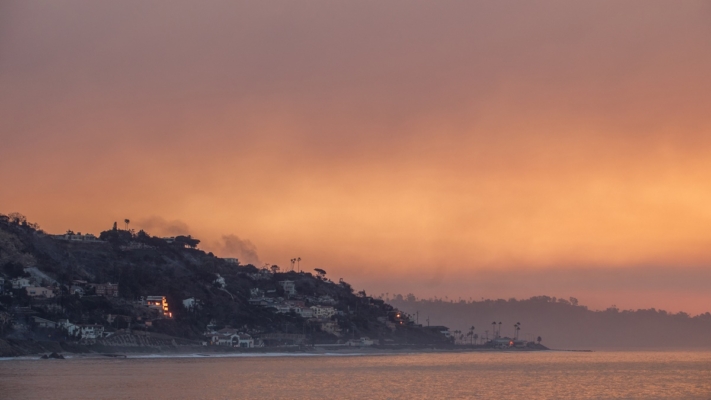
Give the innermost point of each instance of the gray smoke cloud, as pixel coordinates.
(242, 249)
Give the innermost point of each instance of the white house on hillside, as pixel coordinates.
(72, 329)
(19, 283)
(91, 331)
(289, 287)
(305, 312)
(220, 281)
(191, 304)
(323, 311)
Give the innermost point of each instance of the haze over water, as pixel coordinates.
(486, 375)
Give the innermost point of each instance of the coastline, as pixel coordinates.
(105, 352)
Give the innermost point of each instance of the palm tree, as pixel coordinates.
(127, 221)
(298, 263)
(539, 340)
(476, 337)
(517, 327)
(493, 329)
(471, 333)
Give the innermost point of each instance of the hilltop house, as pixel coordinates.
(262, 274)
(231, 260)
(78, 237)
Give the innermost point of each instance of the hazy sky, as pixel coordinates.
(449, 148)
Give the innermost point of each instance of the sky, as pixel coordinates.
(464, 149)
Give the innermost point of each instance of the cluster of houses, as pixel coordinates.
(47, 298)
(157, 307)
(81, 288)
(321, 308)
(282, 297)
(85, 333)
(33, 289)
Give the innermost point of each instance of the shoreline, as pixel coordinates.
(262, 352)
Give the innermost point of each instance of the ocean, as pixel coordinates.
(485, 375)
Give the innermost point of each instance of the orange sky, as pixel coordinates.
(467, 149)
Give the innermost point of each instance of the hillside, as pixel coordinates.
(126, 282)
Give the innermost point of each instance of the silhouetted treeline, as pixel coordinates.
(564, 324)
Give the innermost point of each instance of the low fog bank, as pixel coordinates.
(564, 324)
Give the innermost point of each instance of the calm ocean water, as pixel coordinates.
(535, 375)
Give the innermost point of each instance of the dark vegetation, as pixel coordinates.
(144, 265)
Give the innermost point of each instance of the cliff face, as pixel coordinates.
(246, 298)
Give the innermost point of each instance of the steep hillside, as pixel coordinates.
(110, 280)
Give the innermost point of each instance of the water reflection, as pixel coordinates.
(540, 375)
